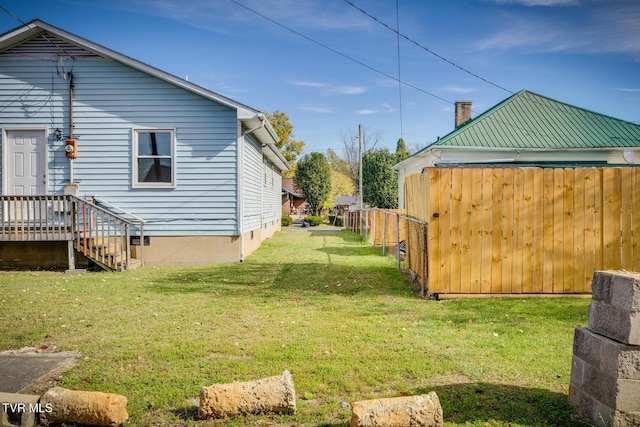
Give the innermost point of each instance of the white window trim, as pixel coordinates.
(137, 184)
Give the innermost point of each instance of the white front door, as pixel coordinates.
(26, 163)
(25, 175)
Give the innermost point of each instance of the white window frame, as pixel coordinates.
(136, 156)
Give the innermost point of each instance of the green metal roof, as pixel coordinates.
(530, 121)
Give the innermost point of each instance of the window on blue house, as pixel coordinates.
(154, 158)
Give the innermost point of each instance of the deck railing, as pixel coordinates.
(96, 232)
(36, 218)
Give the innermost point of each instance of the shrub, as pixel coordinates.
(338, 221)
(286, 221)
(314, 220)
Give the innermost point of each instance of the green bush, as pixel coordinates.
(338, 221)
(314, 220)
(286, 221)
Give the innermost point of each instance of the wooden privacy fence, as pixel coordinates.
(526, 230)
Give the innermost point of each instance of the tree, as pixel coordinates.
(313, 178)
(341, 185)
(380, 183)
(351, 152)
(289, 147)
(401, 150)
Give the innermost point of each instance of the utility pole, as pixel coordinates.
(360, 204)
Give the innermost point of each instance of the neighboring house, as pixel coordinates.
(199, 170)
(347, 203)
(293, 202)
(528, 129)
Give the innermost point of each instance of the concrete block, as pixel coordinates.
(602, 416)
(577, 372)
(601, 286)
(625, 419)
(615, 323)
(619, 360)
(273, 394)
(20, 410)
(627, 396)
(422, 410)
(600, 386)
(584, 404)
(625, 291)
(586, 345)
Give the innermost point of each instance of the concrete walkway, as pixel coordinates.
(21, 370)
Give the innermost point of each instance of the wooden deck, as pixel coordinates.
(97, 232)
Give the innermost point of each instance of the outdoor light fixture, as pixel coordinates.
(58, 133)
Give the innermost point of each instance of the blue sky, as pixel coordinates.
(331, 67)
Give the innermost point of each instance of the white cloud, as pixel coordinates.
(457, 89)
(316, 108)
(366, 112)
(350, 90)
(592, 28)
(626, 89)
(215, 15)
(308, 84)
(330, 88)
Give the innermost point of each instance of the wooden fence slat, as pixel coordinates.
(508, 219)
(590, 224)
(636, 219)
(626, 220)
(435, 285)
(548, 232)
(445, 228)
(475, 259)
(486, 230)
(455, 241)
(528, 220)
(578, 230)
(538, 233)
(496, 230)
(568, 269)
(518, 244)
(465, 231)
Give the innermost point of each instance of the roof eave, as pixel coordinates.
(36, 27)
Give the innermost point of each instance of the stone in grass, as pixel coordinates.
(416, 411)
(273, 394)
(92, 408)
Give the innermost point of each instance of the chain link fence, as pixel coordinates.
(395, 234)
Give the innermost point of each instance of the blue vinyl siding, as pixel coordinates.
(272, 194)
(253, 177)
(110, 101)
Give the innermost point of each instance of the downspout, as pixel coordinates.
(70, 78)
(242, 134)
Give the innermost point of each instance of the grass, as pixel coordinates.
(325, 306)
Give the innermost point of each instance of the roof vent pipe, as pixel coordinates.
(463, 112)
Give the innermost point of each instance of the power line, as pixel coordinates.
(340, 53)
(399, 67)
(437, 55)
(8, 12)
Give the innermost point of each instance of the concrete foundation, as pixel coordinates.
(605, 368)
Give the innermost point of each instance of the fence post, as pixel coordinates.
(384, 231)
(398, 238)
(425, 260)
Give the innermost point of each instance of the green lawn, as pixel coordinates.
(325, 306)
